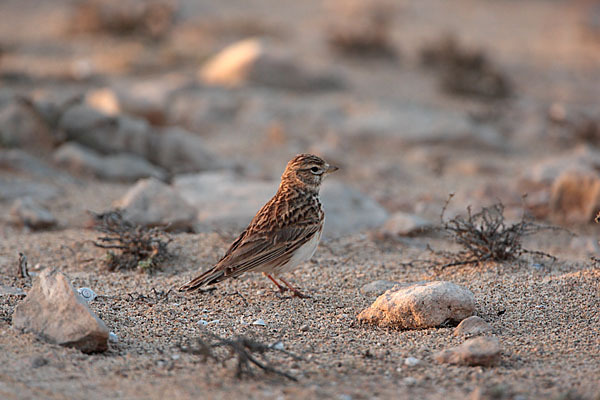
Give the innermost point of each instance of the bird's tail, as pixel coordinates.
(207, 278)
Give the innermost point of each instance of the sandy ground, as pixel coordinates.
(546, 314)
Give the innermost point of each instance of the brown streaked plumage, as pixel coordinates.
(284, 233)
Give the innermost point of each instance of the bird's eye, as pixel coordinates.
(314, 170)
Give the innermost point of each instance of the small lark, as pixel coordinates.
(284, 233)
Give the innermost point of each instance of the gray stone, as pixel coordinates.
(420, 306)
(21, 126)
(20, 161)
(55, 312)
(120, 167)
(349, 211)
(405, 224)
(472, 326)
(223, 198)
(27, 212)
(582, 159)
(254, 61)
(174, 149)
(483, 350)
(152, 203)
(15, 188)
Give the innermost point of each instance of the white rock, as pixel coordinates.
(113, 338)
(424, 305)
(411, 361)
(259, 322)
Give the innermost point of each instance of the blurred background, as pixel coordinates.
(184, 113)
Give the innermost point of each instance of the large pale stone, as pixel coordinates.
(57, 314)
(423, 305)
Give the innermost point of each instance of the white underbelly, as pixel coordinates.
(303, 254)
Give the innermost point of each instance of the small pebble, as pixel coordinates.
(112, 337)
(87, 294)
(278, 346)
(39, 361)
(202, 322)
(214, 321)
(259, 322)
(175, 356)
(411, 361)
(304, 328)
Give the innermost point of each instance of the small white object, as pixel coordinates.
(112, 337)
(202, 322)
(259, 322)
(278, 346)
(175, 356)
(214, 321)
(411, 361)
(87, 294)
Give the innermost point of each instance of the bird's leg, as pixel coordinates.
(281, 288)
(295, 291)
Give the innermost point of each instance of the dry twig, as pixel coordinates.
(247, 351)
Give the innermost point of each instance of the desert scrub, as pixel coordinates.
(130, 246)
(486, 236)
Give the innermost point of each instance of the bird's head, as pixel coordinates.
(306, 171)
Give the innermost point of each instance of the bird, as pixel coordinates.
(284, 233)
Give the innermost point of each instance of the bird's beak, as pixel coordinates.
(331, 168)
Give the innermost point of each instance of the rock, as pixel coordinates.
(103, 100)
(585, 244)
(19, 161)
(377, 288)
(420, 306)
(174, 149)
(22, 127)
(181, 152)
(149, 98)
(223, 198)
(11, 189)
(349, 211)
(483, 350)
(582, 159)
(411, 361)
(87, 294)
(152, 203)
(27, 212)
(11, 291)
(252, 61)
(472, 326)
(405, 224)
(57, 314)
(575, 196)
(418, 125)
(120, 167)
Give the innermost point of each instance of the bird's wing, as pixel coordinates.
(258, 248)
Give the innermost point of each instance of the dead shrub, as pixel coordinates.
(486, 236)
(465, 72)
(247, 351)
(135, 246)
